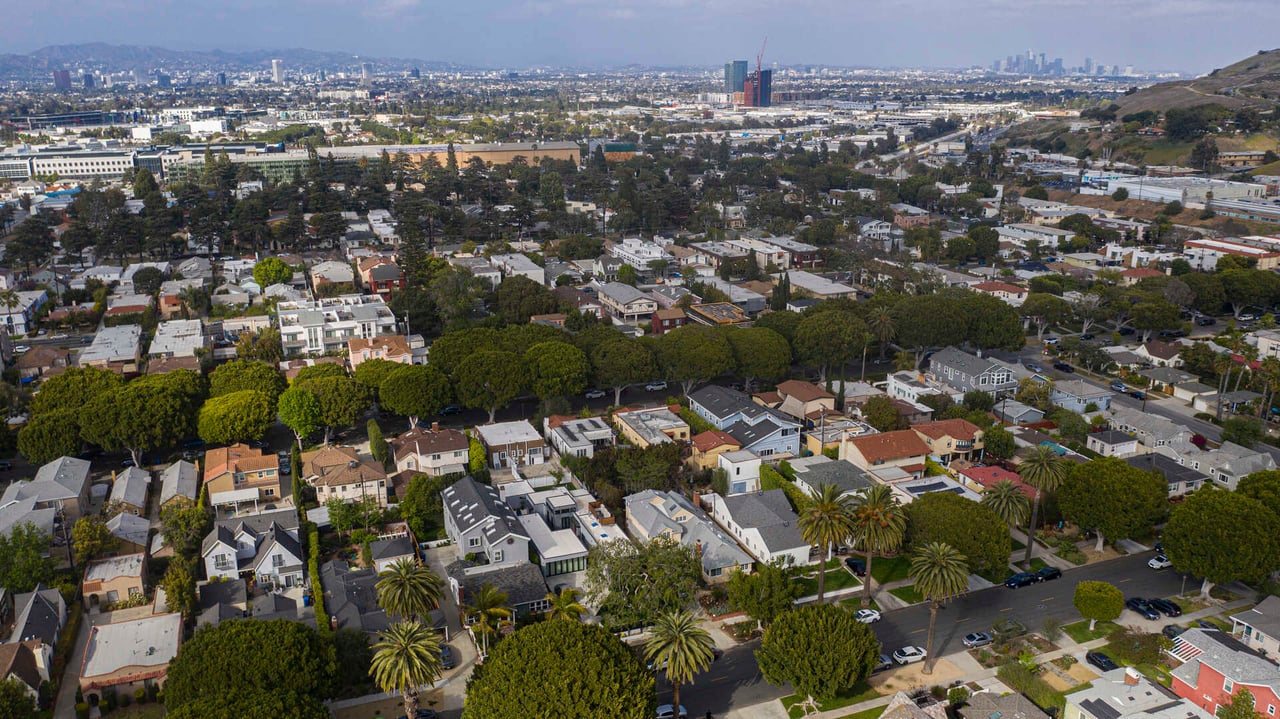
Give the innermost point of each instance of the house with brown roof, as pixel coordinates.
(803, 401)
(903, 449)
(26, 663)
(951, 439)
(1134, 275)
(665, 320)
(432, 451)
(240, 474)
(708, 446)
(340, 473)
(392, 348)
(43, 361)
(1160, 353)
(1004, 291)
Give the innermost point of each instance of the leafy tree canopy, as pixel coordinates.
(238, 375)
(971, 528)
(1199, 542)
(1113, 498)
(636, 582)
(237, 417)
(821, 650)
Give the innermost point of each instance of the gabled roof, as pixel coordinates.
(768, 512)
(889, 446)
(472, 505)
(748, 434)
(351, 598)
(522, 583)
(1225, 655)
(18, 660)
(180, 479)
(220, 534)
(422, 441)
(1162, 350)
(1079, 389)
(963, 361)
(819, 470)
(38, 615)
(712, 438)
(720, 401)
(391, 548)
(1265, 617)
(237, 458)
(653, 510)
(277, 537)
(130, 528)
(63, 478)
(130, 487)
(624, 294)
(957, 428)
(803, 391)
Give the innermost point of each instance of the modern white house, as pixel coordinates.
(325, 325)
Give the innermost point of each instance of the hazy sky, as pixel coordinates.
(1188, 35)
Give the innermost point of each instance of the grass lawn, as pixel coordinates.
(871, 713)
(1080, 630)
(154, 710)
(836, 579)
(890, 570)
(907, 594)
(858, 694)
(1037, 564)
(1017, 545)
(855, 602)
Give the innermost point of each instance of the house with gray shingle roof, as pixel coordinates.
(129, 490)
(60, 484)
(264, 545)
(1215, 666)
(179, 482)
(814, 471)
(39, 615)
(481, 525)
(653, 513)
(130, 529)
(764, 524)
(1259, 627)
(966, 372)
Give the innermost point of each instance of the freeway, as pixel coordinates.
(734, 681)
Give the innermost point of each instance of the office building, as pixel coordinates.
(277, 71)
(62, 80)
(735, 74)
(757, 90)
(89, 82)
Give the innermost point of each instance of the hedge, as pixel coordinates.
(770, 478)
(697, 425)
(313, 568)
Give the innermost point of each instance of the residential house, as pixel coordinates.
(221, 601)
(1215, 666)
(573, 437)
(952, 439)
(802, 401)
(742, 469)
(434, 451)
(129, 655)
(241, 474)
(587, 303)
(652, 513)
(718, 314)
(833, 428)
(1259, 628)
(130, 530)
(15, 511)
(1015, 412)
(381, 276)
(1226, 465)
(179, 484)
(965, 372)
(517, 264)
(179, 338)
(332, 272)
(113, 579)
(1160, 354)
(325, 325)
(764, 524)
(1133, 275)
(764, 431)
(524, 585)
(814, 471)
(666, 320)
(62, 484)
(1008, 293)
(39, 615)
(392, 348)
(1112, 443)
(1181, 478)
(481, 525)
(708, 446)
(1076, 395)
(903, 449)
(43, 361)
(818, 286)
(990, 705)
(129, 490)
(1151, 430)
(340, 473)
(1125, 694)
(20, 318)
(626, 304)
(351, 597)
(264, 545)
(905, 215)
(26, 663)
(983, 477)
(118, 349)
(386, 552)
(913, 387)
(512, 444)
(640, 253)
(644, 428)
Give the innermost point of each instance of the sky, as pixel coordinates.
(1181, 35)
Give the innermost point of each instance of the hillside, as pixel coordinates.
(1252, 82)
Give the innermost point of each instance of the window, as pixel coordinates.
(1271, 709)
(277, 560)
(473, 542)
(435, 457)
(222, 562)
(1228, 686)
(497, 556)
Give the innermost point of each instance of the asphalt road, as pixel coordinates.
(734, 681)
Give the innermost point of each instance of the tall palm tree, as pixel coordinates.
(881, 324)
(678, 644)
(940, 572)
(879, 525)
(1008, 501)
(826, 520)
(406, 657)
(487, 611)
(565, 605)
(408, 589)
(1045, 471)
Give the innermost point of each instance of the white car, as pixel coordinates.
(1159, 562)
(20, 349)
(656, 386)
(867, 616)
(909, 655)
(667, 711)
(595, 393)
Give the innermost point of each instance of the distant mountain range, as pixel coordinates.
(126, 57)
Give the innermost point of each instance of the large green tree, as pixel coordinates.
(1042, 311)
(518, 298)
(827, 340)
(681, 647)
(237, 417)
(821, 650)
(694, 354)
(621, 361)
(252, 704)
(556, 369)
(634, 583)
(50, 435)
(271, 271)
(299, 409)
(1098, 601)
(940, 573)
(1113, 498)
(342, 401)
(238, 375)
(993, 323)
(971, 528)
(1263, 486)
(759, 353)
(74, 388)
(561, 669)
(1223, 537)
(138, 418)
(763, 594)
(490, 380)
(24, 559)
(415, 391)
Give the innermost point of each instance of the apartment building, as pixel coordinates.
(325, 325)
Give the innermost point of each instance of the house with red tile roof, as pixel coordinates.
(903, 449)
(708, 446)
(983, 478)
(1009, 293)
(951, 439)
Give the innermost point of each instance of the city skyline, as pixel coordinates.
(1147, 34)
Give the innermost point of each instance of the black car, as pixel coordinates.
(857, 566)
(1101, 661)
(1138, 394)
(1047, 573)
(1141, 606)
(1206, 321)
(1173, 334)
(1126, 331)
(1086, 336)
(1021, 579)
(451, 409)
(446, 657)
(1165, 607)
(1064, 367)
(1172, 631)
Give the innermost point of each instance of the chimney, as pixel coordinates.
(1131, 676)
(435, 426)
(697, 549)
(697, 500)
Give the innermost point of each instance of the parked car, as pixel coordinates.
(909, 655)
(885, 663)
(1172, 631)
(667, 711)
(867, 616)
(1064, 367)
(977, 639)
(5, 466)
(1206, 624)
(1142, 606)
(1101, 661)
(1173, 334)
(1046, 574)
(1126, 331)
(286, 468)
(1138, 394)
(857, 566)
(1051, 341)
(1165, 607)
(1159, 561)
(447, 659)
(451, 409)
(86, 340)
(1086, 336)
(1248, 316)
(1206, 321)
(656, 387)
(1118, 386)
(1034, 367)
(595, 393)
(1021, 579)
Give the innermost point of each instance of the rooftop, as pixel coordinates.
(150, 642)
(505, 433)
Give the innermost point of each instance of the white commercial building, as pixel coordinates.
(178, 338)
(325, 325)
(639, 253)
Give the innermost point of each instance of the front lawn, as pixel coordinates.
(1037, 564)
(858, 694)
(1081, 634)
(890, 570)
(908, 594)
(855, 602)
(836, 579)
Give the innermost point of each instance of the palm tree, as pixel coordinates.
(680, 646)
(940, 572)
(826, 520)
(1008, 501)
(879, 525)
(487, 610)
(565, 605)
(1045, 471)
(408, 589)
(881, 324)
(406, 657)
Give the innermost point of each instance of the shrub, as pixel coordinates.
(1134, 647)
(1020, 679)
(317, 591)
(140, 695)
(82, 710)
(125, 700)
(957, 695)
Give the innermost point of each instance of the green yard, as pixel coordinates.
(839, 578)
(1037, 564)
(907, 594)
(855, 602)
(140, 711)
(858, 694)
(890, 570)
(1080, 630)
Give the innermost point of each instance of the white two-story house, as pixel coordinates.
(264, 546)
(481, 526)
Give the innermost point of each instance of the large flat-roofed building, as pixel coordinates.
(647, 427)
(1204, 254)
(178, 338)
(114, 348)
(129, 655)
(325, 325)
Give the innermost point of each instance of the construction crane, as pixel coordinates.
(760, 57)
